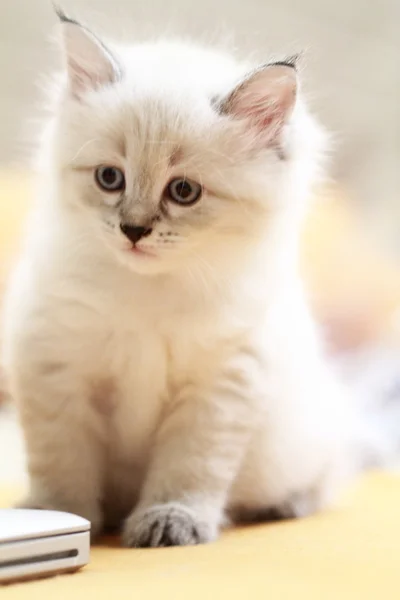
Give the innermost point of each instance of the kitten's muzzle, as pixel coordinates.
(134, 233)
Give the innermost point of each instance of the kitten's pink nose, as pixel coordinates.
(135, 233)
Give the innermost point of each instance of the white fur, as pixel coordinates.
(176, 388)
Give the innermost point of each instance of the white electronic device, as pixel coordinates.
(39, 543)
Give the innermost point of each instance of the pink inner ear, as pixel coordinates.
(81, 78)
(90, 65)
(85, 78)
(267, 99)
(260, 108)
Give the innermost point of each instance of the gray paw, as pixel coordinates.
(169, 524)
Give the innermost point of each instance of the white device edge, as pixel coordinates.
(43, 556)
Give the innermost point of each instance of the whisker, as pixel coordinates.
(79, 151)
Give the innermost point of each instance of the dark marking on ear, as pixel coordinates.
(215, 102)
(63, 17)
(291, 61)
(223, 105)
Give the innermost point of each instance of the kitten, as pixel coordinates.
(166, 367)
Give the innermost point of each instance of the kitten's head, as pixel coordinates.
(170, 152)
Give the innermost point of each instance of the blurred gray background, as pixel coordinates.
(352, 67)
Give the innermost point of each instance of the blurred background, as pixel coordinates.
(351, 71)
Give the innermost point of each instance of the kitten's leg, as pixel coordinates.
(196, 456)
(62, 442)
(303, 453)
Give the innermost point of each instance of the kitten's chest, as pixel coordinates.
(151, 358)
(139, 366)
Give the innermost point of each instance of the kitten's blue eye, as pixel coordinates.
(183, 191)
(110, 179)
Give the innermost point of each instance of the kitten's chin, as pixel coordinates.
(145, 260)
(146, 263)
(142, 261)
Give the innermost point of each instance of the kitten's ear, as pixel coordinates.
(266, 98)
(90, 65)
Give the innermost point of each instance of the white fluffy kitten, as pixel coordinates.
(167, 370)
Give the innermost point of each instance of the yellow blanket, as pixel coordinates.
(349, 553)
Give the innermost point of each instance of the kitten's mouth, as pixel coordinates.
(141, 251)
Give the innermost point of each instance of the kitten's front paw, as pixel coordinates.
(171, 524)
